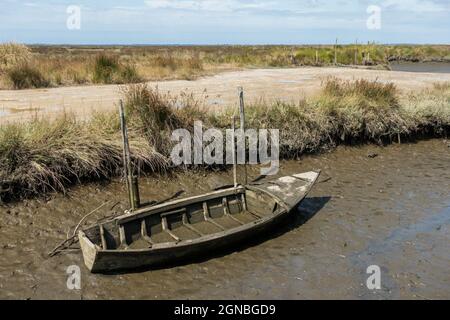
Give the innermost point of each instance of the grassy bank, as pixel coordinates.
(44, 156)
(42, 66)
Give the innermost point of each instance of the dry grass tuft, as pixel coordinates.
(25, 76)
(12, 54)
(157, 114)
(108, 70)
(44, 156)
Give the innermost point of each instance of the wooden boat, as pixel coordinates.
(180, 229)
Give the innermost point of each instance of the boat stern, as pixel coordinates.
(88, 249)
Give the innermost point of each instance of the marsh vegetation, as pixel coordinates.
(43, 156)
(42, 66)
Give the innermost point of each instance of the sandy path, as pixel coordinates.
(219, 90)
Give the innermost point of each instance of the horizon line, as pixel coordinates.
(221, 44)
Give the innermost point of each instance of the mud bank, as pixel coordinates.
(391, 209)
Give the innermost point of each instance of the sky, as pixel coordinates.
(224, 21)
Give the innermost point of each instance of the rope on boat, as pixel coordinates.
(86, 216)
(63, 246)
(66, 244)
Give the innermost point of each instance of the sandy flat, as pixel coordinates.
(218, 91)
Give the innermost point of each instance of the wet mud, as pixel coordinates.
(385, 206)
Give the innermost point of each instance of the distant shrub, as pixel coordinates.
(165, 61)
(193, 63)
(104, 69)
(129, 74)
(108, 69)
(12, 54)
(25, 76)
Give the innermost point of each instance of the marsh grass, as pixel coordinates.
(156, 114)
(26, 76)
(64, 66)
(12, 54)
(105, 67)
(108, 70)
(43, 156)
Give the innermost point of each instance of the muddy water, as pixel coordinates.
(392, 211)
(428, 67)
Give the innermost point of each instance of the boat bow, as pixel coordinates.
(290, 190)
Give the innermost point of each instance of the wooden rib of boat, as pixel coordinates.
(180, 229)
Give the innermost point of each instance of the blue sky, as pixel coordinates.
(224, 21)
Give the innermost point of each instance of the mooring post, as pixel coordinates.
(131, 180)
(242, 116)
(335, 52)
(233, 147)
(136, 194)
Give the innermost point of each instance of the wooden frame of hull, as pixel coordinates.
(98, 259)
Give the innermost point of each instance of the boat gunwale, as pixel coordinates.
(148, 211)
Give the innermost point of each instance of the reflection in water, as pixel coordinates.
(390, 211)
(433, 67)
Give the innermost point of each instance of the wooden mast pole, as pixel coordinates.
(233, 147)
(131, 180)
(242, 117)
(335, 52)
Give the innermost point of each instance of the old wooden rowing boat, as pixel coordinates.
(180, 229)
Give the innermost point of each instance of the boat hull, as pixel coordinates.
(286, 192)
(101, 261)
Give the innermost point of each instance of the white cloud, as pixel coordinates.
(296, 6)
(209, 5)
(31, 4)
(419, 6)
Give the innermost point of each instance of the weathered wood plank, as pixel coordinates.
(102, 236)
(145, 212)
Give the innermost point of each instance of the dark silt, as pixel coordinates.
(385, 206)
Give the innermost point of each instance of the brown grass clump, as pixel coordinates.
(362, 110)
(12, 54)
(25, 76)
(157, 114)
(44, 156)
(429, 111)
(108, 70)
